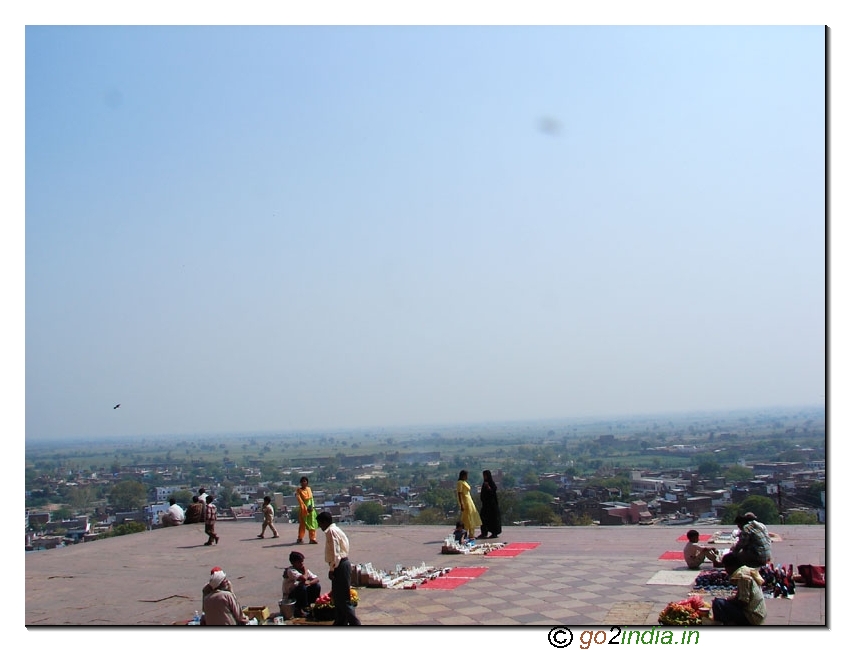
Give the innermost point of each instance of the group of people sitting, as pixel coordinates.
(750, 552)
(194, 514)
(201, 510)
(300, 585)
(221, 607)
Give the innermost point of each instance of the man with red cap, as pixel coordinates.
(219, 601)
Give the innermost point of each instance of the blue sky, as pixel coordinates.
(276, 228)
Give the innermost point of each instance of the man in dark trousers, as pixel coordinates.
(336, 555)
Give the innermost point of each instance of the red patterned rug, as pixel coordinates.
(702, 538)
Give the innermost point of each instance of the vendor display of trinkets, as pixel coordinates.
(778, 582)
(365, 575)
(469, 547)
(715, 583)
(720, 537)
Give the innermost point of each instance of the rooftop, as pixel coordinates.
(577, 576)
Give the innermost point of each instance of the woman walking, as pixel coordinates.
(468, 512)
(307, 513)
(491, 516)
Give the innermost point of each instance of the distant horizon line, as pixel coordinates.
(589, 419)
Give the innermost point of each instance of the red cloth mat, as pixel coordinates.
(455, 578)
(513, 549)
(525, 546)
(506, 552)
(465, 572)
(444, 582)
(672, 555)
(702, 538)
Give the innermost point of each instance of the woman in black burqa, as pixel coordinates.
(491, 516)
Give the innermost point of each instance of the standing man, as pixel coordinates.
(210, 517)
(336, 555)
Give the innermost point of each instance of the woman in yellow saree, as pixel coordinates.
(307, 513)
(468, 512)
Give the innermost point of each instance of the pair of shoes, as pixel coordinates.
(207, 543)
(313, 541)
(216, 539)
(493, 537)
(275, 536)
(299, 541)
(261, 536)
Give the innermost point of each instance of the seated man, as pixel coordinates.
(174, 516)
(753, 545)
(195, 512)
(300, 584)
(219, 601)
(747, 607)
(695, 554)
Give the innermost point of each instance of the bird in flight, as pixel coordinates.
(115, 407)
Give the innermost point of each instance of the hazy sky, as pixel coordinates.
(276, 228)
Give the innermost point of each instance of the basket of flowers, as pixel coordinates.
(324, 610)
(683, 612)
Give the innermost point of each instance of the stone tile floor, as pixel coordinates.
(578, 576)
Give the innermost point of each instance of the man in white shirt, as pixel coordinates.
(336, 555)
(174, 516)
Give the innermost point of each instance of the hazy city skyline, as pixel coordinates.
(251, 228)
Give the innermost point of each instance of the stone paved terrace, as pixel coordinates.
(577, 576)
